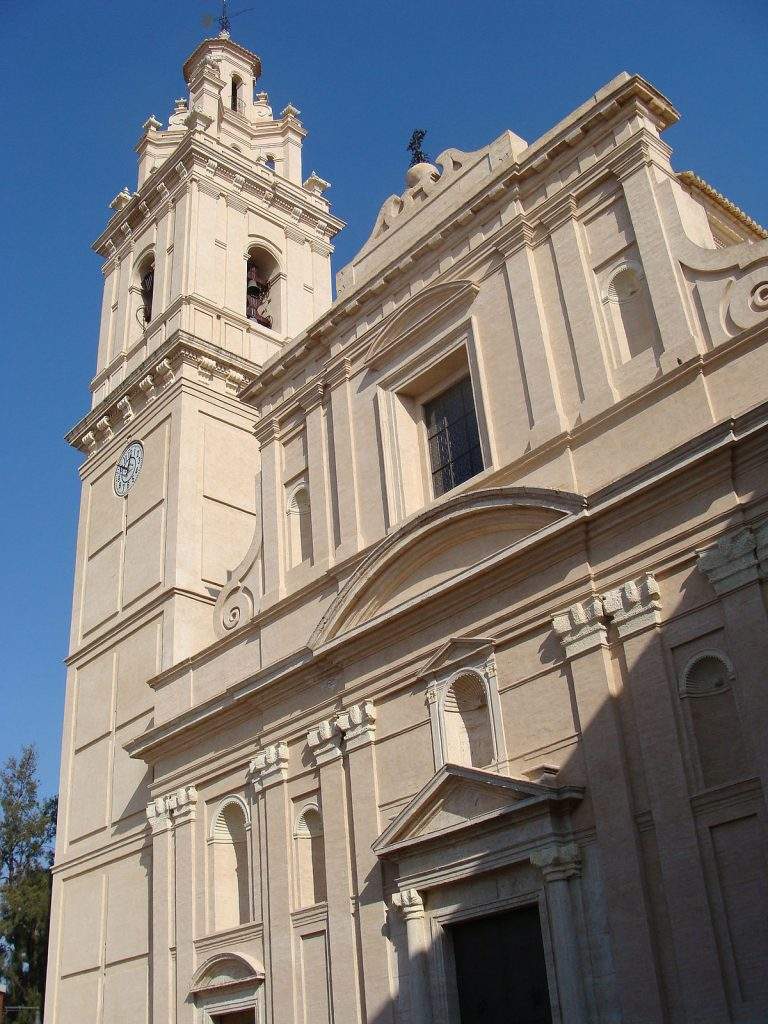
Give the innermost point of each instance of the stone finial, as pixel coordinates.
(558, 862)
(316, 185)
(270, 765)
(151, 124)
(121, 200)
(358, 724)
(731, 562)
(325, 741)
(409, 903)
(634, 605)
(580, 628)
(198, 121)
(289, 111)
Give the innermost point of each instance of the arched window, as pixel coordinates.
(310, 857)
(707, 683)
(260, 272)
(468, 735)
(147, 285)
(269, 162)
(630, 313)
(299, 527)
(229, 846)
(235, 93)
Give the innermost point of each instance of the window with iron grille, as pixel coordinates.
(453, 437)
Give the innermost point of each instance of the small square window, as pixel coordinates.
(452, 437)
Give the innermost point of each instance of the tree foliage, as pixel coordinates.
(27, 831)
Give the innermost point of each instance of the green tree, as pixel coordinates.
(27, 831)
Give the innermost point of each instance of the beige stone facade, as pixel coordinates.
(432, 613)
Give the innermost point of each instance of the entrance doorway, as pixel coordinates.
(501, 975)
(238, 1017)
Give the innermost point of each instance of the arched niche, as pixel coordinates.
(264, 287)
(309, 847)
(299, 515)
(467, 723)
(230, 880)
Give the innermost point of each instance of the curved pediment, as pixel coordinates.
(224, 970)
(439, 544)
(421, 312)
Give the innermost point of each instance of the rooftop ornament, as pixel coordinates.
(418, 156)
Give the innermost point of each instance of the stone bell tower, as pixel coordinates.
(217, 260)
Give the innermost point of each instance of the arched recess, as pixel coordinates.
(264, 287)
(299, 515)
(229, 864)
(630, 314)
(309, 846)
(706, 687)
(143, 302)
(439, 544)
(467, 722)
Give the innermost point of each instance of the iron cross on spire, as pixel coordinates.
(225, 18)
(418, 156)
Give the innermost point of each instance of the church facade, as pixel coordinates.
(419, 637)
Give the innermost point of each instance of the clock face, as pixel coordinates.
(128, 468)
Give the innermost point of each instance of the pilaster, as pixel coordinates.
(558, 864)
(358, 724)
(662, 272)
(269, 770)
(267, 434)
(163, 891)
(539, 371)
(635, 608)
(582, 633)
(324, 743)
(583, 317)
(411, 906)
(339, 385)
(317, 469)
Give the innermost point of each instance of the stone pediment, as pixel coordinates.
(457, 799)
(226, 970)
(439, 545)
(454, 652)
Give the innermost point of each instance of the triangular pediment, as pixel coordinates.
(459, 798)
(454, 652)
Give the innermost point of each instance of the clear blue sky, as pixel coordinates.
(79, 80)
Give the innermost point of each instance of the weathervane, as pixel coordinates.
(225, 18)
(418, 156)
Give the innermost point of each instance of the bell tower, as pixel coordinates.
(218, 258)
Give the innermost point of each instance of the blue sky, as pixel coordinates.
(79, 80)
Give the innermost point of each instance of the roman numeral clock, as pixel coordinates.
(128, 468)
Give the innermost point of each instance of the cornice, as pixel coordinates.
(153, 375)
(202, 159)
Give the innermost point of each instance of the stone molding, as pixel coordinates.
(558, 862)
(270, 766)
(409, 903)
(358, 724)
(733, 560)
(581, 627)
(634, 606)
(324, 741)
(173, 809)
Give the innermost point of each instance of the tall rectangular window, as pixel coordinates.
(453, 437)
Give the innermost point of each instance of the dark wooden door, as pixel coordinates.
(500, 971)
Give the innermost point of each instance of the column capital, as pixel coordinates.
(634, 606)
(325, 741)
(270, 766)
(358, 724)
(157, 815)
(580, 628)
(182, 804)
(267, 429)
(558, 862)
(409, 903)
(731, 562)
